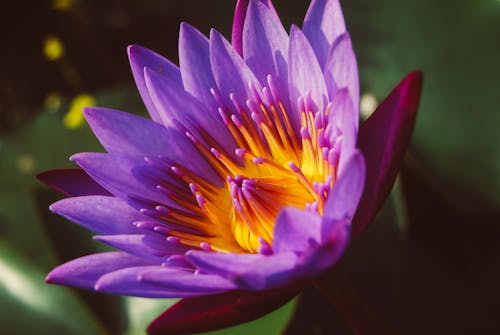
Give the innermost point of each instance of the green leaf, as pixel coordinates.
(455, 44)
(141, 312)
(29, 306)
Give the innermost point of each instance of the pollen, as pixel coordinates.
(274, 166)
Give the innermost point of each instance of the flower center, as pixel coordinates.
(272, 168)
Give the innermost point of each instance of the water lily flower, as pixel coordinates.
(249, 181)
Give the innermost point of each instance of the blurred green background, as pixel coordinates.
(429, 265)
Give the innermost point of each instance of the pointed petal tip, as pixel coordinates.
(49, 279)
(416, 75)
(54, 207)
(102, 284)
(214, 34)
(43, 177)
(88, 112)
(134, 49)
(185, 25)
(412, 85)
(98, 287)
(130, 48)
(294, 29)
(76, 157)
(92, 114)
(81, 157)
(62, 206)
(95, 111)
(56, 277)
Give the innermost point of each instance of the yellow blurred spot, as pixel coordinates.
(367, 105)
(26, 164)
(53, 48)
(53, 102)
(74, 117)
(61, 5)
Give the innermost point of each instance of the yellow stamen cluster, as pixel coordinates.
(272, 169)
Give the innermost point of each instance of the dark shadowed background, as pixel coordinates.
(430, 264)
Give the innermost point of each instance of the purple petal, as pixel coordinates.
(305, 74)
(344, 197)
(316, 260)
(175, 280)
(265, 47)
(202, 314)
(240, 14)
(295, 229)
(343, 117)
(383, 139)
(323, 24)
(83, 272)
(141, 58)
(127, 282)
(150, 246)
(101, 214)
(231, 72)
(72, 182)
(118, 174)
(248, 271)
(181, 106)
(129, 134)
(196, 69)
(341, 70)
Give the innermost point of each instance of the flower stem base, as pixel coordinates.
(350, 305)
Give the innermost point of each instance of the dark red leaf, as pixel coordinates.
(202, 314)
(383, 139)
(71, 182)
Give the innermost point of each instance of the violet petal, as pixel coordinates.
(248, 271)
(196, 69)
(341, 70)
(316, 260)
(344, 197)
(150, 246)
(101, 214)
(342, 116)
(129, 134)
(305, 74)
(140, 58)
(180, 106)
(187, 281)
(127, 282)
(118, 174)
(324, 22)
(240, 14)
(295, 229)
(83, 272)
(266, 50)
(230, 71)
